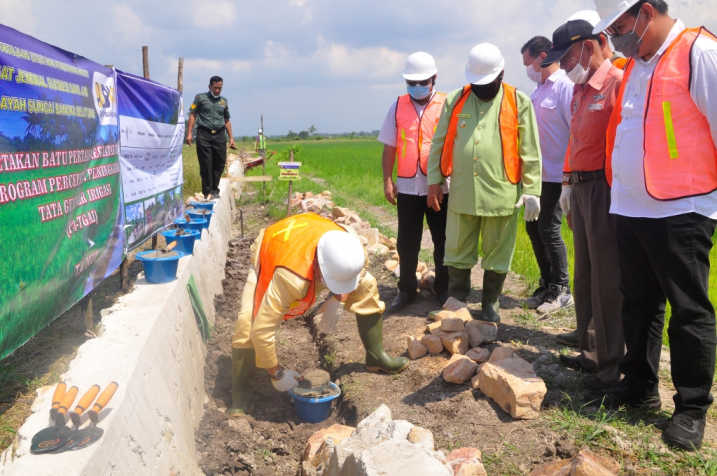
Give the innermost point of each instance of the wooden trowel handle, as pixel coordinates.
(84, 404)
(57, 397)
(67, 401)
(102, 401)
(170, 247)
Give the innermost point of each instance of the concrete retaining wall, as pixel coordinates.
(150, 345)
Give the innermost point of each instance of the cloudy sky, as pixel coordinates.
(335, 64)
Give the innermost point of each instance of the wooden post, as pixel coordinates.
(88, 313)
(124, 275)
(241, 220)
(291, 182)
(180, 74)
(145, 61)
(263, 163)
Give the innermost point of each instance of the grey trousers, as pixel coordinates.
(598, 299)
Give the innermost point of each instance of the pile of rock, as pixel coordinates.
(309, 202)
(499, 374)
(382, 445)
(585, 463)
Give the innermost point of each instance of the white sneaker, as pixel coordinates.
(556, 298)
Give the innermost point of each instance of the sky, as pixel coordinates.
(334, 64)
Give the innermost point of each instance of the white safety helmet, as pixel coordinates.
(590, 16)
(485, 63)
(341, 259)
(610, 11)
(419, 67)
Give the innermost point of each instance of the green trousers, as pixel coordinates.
(496, 235)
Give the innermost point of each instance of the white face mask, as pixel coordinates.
(579, 74)
(536, 76)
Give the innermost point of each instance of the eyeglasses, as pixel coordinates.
(425, 82)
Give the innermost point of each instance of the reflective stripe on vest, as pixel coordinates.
(291, 243)
(680, 158)
(508, 122)
(414, 135)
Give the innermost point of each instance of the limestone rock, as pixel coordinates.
(433, 344)
(421, 436)
(453, 304)
(481, 332)
(514, 386)
(434, 328)
(585, 463)
(440, 315)
(372, 236)
(475, 381)
(378, 249)
(452, 324)
(478, 354)
(459, 369)
(427, 280)
(416, 349)
(421, 268)
(455, 342)
(501, 353)
(316, 453)
(466, 462)
(391, 265)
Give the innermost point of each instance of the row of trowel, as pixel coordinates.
(58, 437)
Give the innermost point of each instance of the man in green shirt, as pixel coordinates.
(487, 142)
(210, 112)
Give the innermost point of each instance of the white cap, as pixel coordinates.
(485, 63)
(341, 259)
(419, 66)
(590, 16)
(610, 11)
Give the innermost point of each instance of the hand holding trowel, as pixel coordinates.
(55, 436)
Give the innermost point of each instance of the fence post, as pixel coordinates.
(291, 182)
(180, 74)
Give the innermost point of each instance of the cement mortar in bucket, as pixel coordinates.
(160, 266)
(204, 204)
(185, 239)
(192, 224)
(200, 214)
(313, 396)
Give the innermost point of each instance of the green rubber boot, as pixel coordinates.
(492, 287)
(242, 366)
(459, 283)
(370, 329)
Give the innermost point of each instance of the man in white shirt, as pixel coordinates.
(662, 145)
(407, 134)
(551, 100)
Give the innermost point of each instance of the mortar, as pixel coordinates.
(193, 224)
(159, 267)
(185, 239)
(206, 205)
(315, 409)
(200, 214)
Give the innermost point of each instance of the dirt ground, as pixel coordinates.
(270, 440)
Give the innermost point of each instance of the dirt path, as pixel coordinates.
(270, 440)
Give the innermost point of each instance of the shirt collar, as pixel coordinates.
(555, 76)
(676, 29)
(597, 81)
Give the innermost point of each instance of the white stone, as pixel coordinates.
(422, 436)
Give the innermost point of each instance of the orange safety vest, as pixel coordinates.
(680, 158)
(414, 136)
(291, 243)
(508, 122)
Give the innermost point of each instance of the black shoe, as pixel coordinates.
(636, 396)
(684, 432)
(215, 193)
(537, 298)
(569, 338)
(402, 300)
(578, 363)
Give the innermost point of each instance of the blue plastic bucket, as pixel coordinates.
(192, 225)
(204, 205)
(200, 214)
(185, 241)
(159, 270)
(314, 409)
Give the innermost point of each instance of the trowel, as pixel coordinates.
(87, 436)
(76, 434)
(55, 436)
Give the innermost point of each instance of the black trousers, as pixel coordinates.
(212, 155)
(411, 210)
(548, 245)
(668, 259)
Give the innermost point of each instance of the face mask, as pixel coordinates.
(536, 76)
(629, 43)
(487, 92)
(579, 75)
(419, 92)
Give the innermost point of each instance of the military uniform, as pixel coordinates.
(211, 114)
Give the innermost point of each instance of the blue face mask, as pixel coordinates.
(419, 92)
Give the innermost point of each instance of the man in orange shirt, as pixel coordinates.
(585, 198)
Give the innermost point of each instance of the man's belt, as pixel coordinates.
(572, 178)
(211, 131)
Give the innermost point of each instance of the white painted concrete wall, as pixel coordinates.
(150, 345)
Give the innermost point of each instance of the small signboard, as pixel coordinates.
(289, 171)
